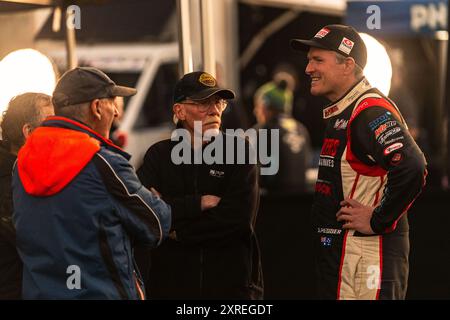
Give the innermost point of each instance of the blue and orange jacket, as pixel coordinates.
(79, 209)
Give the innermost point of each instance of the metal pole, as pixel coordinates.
(445, 90)
(442, 38)
(72, 61)
(196, 35)
(184, 37)
(207, 36)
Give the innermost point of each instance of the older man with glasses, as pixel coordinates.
(213, 251)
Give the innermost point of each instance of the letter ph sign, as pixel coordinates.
(398, 17)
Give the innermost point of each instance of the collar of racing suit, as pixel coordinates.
(347, 99)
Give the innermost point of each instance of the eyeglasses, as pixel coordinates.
(204, 105)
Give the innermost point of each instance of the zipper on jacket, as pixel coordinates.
(196, 192)
(139, 286)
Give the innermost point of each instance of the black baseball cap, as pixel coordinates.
(339, 38)
(84, 84)
(199, 85)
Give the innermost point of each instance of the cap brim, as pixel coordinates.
(121, 91)
(205, 94)
(304, 45)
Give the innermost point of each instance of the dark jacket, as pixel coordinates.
(10, 263)
(216, 254)
(294, 156)
(78, 205)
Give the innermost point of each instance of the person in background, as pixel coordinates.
(25, 112)
(272, 109)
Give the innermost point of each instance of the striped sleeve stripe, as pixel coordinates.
(133, 202)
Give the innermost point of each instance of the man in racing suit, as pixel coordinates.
(370, 172)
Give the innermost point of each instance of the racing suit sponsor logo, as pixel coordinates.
(329, 111)
(328, 231)
(329, 151)
(382, 139)
(381, 119)
(330, 147)
(323, 187)
(392, 147)
(393, 140)
(326, 241)
(382, 128)
(352, 97)
(322, 33)
(326, 163)
(346, 45)
(396, 158)
(216, 173)
(340, 124)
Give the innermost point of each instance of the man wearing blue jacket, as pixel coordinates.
(79, 208)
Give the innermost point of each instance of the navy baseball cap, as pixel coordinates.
(339, 38)
(199, 85)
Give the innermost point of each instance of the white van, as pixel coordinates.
(151, 68)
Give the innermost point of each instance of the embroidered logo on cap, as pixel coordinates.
(207, 80)
(322, 33)
(346, 45)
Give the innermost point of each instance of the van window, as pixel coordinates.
(157, 108)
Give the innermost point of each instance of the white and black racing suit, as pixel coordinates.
(368, 155)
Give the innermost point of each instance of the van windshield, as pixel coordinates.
(128, 79)
(157, 108)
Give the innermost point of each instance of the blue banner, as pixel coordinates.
(407, 17)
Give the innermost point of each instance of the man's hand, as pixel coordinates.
(173, 235)
(209, 201)
(355, 216)
(155, 192)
